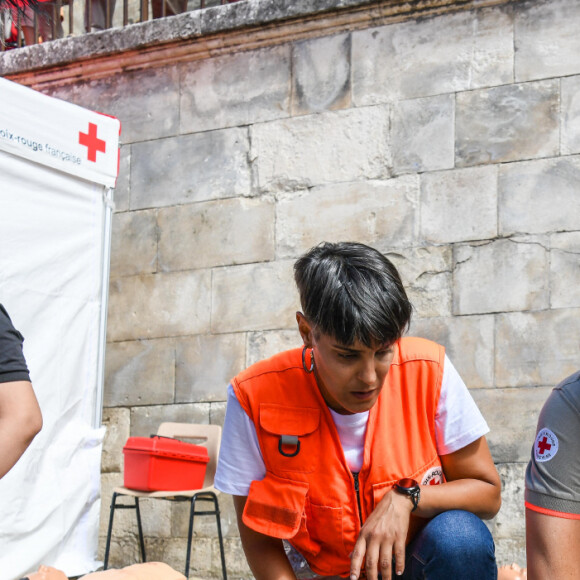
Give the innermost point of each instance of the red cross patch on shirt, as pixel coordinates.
(433, 476)
(546, 445)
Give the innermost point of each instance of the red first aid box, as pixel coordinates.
(164, 464)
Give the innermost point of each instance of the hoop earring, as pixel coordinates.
(311, 368)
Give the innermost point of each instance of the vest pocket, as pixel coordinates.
(275, 506)
(290, 438)
(326, 528)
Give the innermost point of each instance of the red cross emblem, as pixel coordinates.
(92, 142)
(546, 445)
(433, 476)
(543, 445)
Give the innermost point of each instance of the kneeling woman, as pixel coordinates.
(363, 449)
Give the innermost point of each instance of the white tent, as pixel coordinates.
(58, 163)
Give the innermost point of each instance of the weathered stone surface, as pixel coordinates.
(261, 345)
(512, 416)
(173, 551)
(432, 56)
(426, 273)
(459, 205)
(159, 305)
(156, 518)
(565, 270)
(469, 344)
(539, 196)
(90, 46)
(321, 74)
(117, 422)
(203, 557)
(190, 26)
(504, 275)
(234, 90)
(325, 148)
(124, 552)
(372, 212)
(134, 243)
(547, 42)
(508, 551)
(509, 523)
(190, 168)
(217, 413)
(254, 297)
(204, 235)
(507, 123)
(228, 519)
(423, 136)
(146, 101)
(205, 366)
(150, 104)
(508, 527)
(237, 561)
(140, 372)
(145, 421)
(123, 185)
(570, 105)
(536, 348)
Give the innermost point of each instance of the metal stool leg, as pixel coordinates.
(211, 497)
(190, 535)
(110, 529)
(140, 528)
(220, 537)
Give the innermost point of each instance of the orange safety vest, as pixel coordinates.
(311, 498)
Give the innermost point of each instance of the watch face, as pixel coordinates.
(407, 483)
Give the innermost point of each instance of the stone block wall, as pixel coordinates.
(447, 138)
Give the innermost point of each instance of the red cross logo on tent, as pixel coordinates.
(92, 142)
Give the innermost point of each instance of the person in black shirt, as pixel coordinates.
(20, 416)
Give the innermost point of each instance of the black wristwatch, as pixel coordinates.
(411, 488)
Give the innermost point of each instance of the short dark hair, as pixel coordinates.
(351, 292)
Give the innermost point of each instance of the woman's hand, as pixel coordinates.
(382, 537)
(472, 484)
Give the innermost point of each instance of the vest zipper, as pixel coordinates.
(357, 491)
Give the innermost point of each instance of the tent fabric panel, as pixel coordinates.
(52, 272)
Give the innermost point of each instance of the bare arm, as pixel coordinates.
(552, 546)
(473, 485)
(20, 421)
(265, 555)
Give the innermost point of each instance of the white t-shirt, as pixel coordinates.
(458, 422)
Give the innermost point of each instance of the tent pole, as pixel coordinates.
(105, 269)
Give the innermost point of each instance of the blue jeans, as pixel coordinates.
(453, 545)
